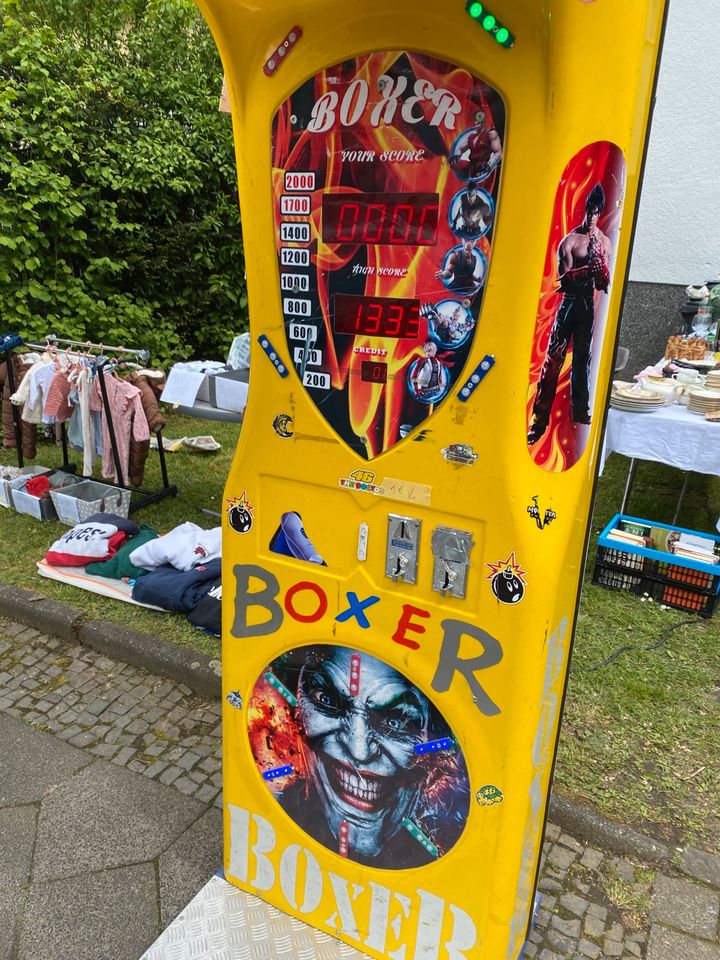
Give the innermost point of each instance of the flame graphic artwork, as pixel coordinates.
(564, 441)
(273, 733)
(371, 155)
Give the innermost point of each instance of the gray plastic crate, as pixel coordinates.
(6, 489)
(88, 497)
(42, 508)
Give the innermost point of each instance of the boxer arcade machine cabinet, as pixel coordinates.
(432, 199)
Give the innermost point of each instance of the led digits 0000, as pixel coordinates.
(382, 218)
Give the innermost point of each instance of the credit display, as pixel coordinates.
(377, 316)
(387, 171)
(373, 371)
(410, 219)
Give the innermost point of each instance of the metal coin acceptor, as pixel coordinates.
(437, 205)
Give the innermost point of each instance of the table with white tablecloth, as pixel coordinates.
(671, 435)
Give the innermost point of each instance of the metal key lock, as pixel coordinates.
(451, 550)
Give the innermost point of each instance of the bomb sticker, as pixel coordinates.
(240, 513)
(507, 580)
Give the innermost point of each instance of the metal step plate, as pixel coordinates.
(223, 923)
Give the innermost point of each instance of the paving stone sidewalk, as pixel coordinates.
(128, 803)
(148, 724)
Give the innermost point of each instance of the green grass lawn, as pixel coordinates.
(641, 736)
(199, 477)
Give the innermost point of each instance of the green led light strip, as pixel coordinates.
(490, 24)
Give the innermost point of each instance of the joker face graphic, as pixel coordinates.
(361, 721)
(341, 739)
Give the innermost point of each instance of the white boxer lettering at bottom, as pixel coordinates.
(400, 926)
(312, 894)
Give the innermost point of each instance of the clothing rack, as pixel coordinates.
(146, 497)
(52, 341)
(17, 420)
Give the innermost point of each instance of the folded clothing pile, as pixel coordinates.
(176, 590)
(97, 539)
(180, 571)
(183, 573)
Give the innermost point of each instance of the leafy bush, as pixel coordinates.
(118, 200)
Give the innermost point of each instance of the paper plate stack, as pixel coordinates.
(703, 401)
(634, 399)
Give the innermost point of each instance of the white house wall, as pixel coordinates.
(678, 231)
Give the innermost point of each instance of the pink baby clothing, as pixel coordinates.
(56, 400)
(128, 419)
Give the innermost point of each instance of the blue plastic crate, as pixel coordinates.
(675, 581)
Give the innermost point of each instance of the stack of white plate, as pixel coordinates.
(712, 380)
(636, 399)
(703, 401)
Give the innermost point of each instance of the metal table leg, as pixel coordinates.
(682, 494)
(628, 484)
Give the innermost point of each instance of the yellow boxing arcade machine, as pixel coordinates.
(437, 204)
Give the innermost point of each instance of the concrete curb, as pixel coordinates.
(201, 674)
(588, 825)
(48, 616)
(196, 670)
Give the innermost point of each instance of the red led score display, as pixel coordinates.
(377, 316)
(410, 219)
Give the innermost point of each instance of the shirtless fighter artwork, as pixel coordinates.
(583, 258)
(345, 737)
(476, 152)
(471, 213)
(463, 270)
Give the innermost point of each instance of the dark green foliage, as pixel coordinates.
(118, 198)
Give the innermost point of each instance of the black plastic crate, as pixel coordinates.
(684, 584)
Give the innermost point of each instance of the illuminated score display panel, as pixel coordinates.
(386, 175)
(402, 218)
(376, 316)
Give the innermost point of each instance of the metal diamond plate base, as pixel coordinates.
(224, 923)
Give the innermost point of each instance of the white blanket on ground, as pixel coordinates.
(104, 586)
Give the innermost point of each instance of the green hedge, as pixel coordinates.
(118, 200)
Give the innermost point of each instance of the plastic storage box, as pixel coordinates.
(88, 497)
(229, 390)
(5, 488)
(678, 582)
(42, 508)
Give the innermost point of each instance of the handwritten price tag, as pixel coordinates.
(407, 490)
